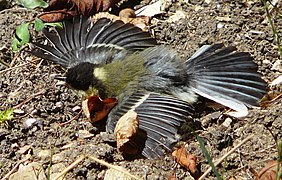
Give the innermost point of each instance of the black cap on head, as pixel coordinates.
(81, 76)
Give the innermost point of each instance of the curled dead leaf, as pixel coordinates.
(59, 10)
(127, 13)
(97, 109)
(127, 126)
(189, 161)
(56, 16)
(126, 17)
(270, 98)
(269, 171)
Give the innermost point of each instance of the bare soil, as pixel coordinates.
(29, 87)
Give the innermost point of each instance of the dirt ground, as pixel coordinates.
(41, 104)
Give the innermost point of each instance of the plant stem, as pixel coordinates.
(274, 29)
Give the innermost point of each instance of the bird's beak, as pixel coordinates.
(60, 78)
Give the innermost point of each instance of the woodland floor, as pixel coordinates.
(31, 90)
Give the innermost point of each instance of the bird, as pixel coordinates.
(115, 59)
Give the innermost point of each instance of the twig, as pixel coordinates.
(4, 63)
(15, 67)
(112, 166)
(98, 161)
(75, 117)
(30, 98)
(273, 27)
(71, 166)
(227, 154)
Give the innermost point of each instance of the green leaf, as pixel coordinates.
(31, 4)
(38, 24)
(22, 36)
(56, 24)
(6, 115)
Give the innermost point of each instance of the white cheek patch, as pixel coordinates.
(100, 74)
(185, 94)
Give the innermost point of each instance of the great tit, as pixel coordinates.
(113, 59)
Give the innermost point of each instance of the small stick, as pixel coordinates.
(112, 166)
(98, 161)
(15, 67)
(30, 98)
(74, 118)
(71, 166)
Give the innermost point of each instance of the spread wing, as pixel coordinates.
(101, 42)
(159, 118)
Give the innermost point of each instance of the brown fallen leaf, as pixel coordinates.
(96, 109)
(59, 10)
(127, 17)
(270, 98)
(127, 13)
(268, 172)
(126, 128)
(186, 160)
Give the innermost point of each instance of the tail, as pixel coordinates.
(225, 76)
(84, 41)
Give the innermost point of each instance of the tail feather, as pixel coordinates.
(81, 40)
(236, 60)
(225, 76)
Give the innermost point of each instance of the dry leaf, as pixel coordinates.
(269, 171)
(141, 22)
(59, 10)
(96, 109)
(126, 128)
(186, 160)
(127, 13)
(269, 98)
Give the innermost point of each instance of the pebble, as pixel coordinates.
(19, 111)
(266, 61)
(28, 123)
(84, 134)
(59, 157)
(24, 149)
(206, 120)
(59, 104)
(277, 65)
(2, 95)
(76, 108)
(227, 122)
(44, 154)
(14, 145)
(220, 25)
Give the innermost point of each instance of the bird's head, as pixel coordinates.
(82, 78)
